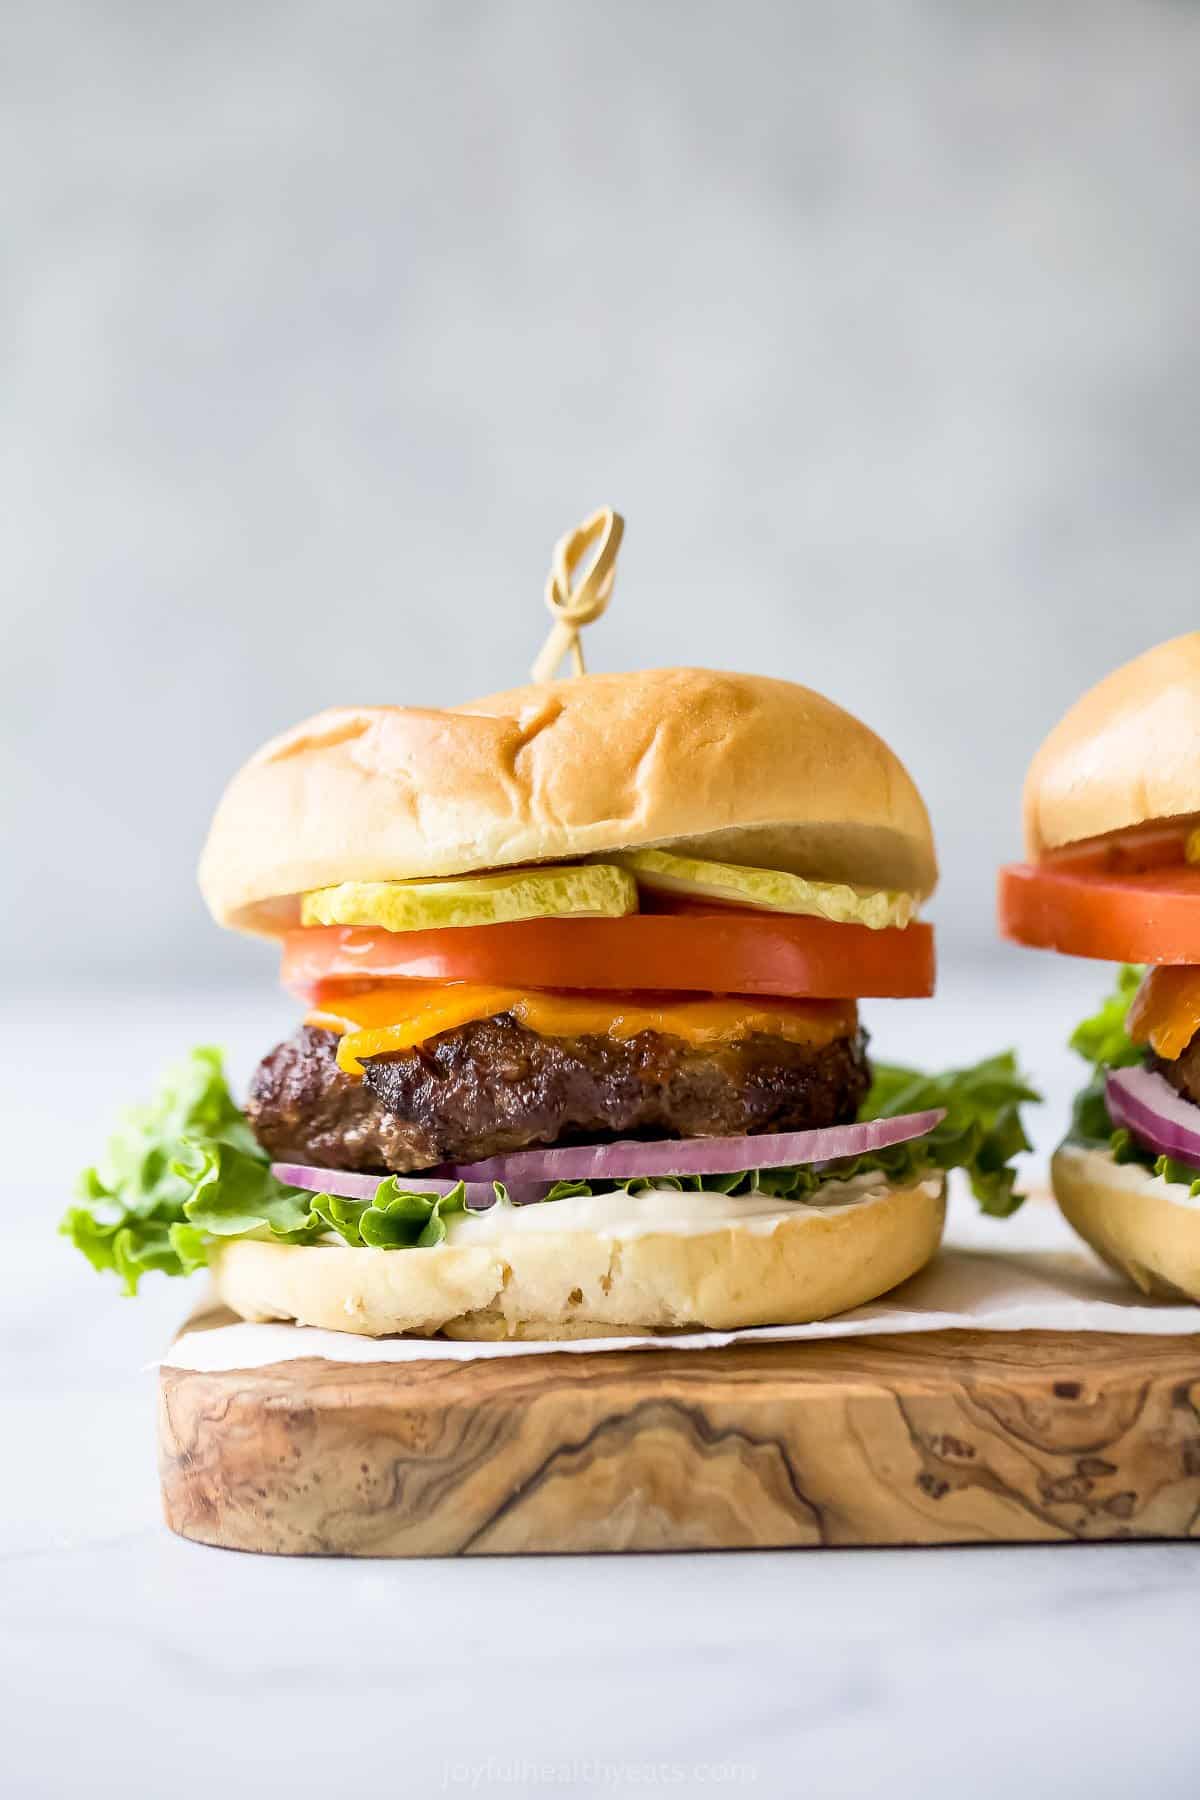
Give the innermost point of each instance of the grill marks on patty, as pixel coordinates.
(493, 1086)
(304, 1109)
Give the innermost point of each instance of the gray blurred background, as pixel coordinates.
(881, 324)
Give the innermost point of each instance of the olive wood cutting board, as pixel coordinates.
(938, 1438)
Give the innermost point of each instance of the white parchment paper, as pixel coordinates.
(1028, 1273)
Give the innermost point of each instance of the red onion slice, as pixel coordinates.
(336, 1181)
(1147, 1105)
(528, 1174)
(627, 1160)
(351, 1186)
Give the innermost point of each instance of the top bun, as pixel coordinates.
(737, 767)
(1127, 754)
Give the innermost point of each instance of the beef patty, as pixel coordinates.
(493, 1086)
(1182, 1071)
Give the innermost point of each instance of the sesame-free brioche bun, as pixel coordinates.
(1144, 1227)
(1127, 753)
(570, 1277)
(737, 767)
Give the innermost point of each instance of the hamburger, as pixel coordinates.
(579, 1050)
(1112, 831)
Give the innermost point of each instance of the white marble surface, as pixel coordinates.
(137, 1664)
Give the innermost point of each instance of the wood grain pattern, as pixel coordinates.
(944, 1438)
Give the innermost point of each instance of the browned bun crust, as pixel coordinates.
(1126, 754)
(739, 767)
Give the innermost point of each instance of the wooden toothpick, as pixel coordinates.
(572, 608)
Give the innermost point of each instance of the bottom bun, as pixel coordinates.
(604, 1266)
(1145, 1228)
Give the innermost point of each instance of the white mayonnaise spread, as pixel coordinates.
(1135, 1178)
(661, 1209)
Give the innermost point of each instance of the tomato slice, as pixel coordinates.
(726, 952)
(1152, 916)
(1134, 851)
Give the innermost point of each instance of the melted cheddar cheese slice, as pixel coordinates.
(1166, 1009)
(401, 1015)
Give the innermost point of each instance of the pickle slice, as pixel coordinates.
(771, 890)
(583, 890)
